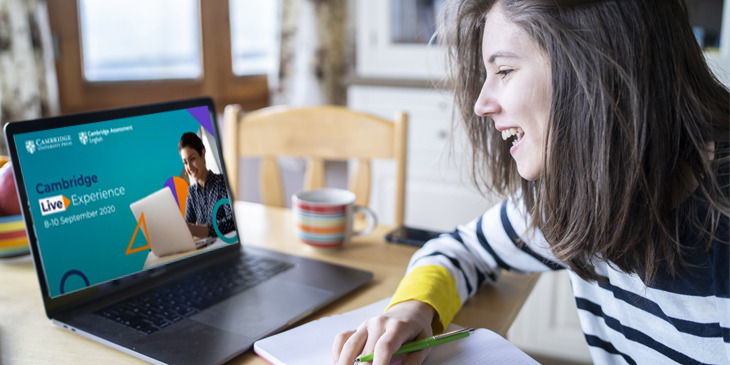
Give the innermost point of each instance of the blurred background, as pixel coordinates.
(69, 56)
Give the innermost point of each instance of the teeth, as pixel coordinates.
(511, 132)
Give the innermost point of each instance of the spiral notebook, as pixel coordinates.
(311, 343)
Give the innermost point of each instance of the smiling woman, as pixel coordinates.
(602, 125)
(516, 92)
(206, 190)
(613, 113)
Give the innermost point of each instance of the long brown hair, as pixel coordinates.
(634, 112)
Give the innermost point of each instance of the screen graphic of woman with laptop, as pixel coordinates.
(206, 190)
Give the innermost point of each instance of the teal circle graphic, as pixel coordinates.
(215, 222)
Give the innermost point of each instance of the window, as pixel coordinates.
(160, 42)
(253, 36)
(114, 53)
(414, 21)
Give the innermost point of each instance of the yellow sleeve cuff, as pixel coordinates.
(434, 286)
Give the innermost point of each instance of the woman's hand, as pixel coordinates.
(384, 335)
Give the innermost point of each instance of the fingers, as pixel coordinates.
(376, 328)
(394, 337)
(385, 334)
(340, 340)
(367, 337)
(418, 357)
(353, 346)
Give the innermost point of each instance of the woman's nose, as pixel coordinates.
(486, 104)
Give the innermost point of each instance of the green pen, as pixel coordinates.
(423, 343)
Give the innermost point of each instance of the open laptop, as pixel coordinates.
(77, 176)
(166, 230)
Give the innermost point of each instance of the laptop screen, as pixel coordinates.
(113, 198)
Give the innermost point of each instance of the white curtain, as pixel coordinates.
(28, 86)
(317, 47)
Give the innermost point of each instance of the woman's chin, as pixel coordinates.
(528, 174)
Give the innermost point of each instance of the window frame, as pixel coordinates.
(217, 81)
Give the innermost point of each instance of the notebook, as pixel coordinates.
(299, 346)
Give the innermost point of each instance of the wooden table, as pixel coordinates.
(28, 337)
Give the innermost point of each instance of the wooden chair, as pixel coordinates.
(318, 134)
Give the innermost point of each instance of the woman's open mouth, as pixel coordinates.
(518, 133)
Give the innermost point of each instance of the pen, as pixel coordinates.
(423, 343)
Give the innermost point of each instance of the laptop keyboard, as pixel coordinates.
(163, 306)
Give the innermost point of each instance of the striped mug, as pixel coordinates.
(323, 217)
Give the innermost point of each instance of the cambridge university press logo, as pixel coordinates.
(30, 146)
(83, 137)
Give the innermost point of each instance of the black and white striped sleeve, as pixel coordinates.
(474, 253)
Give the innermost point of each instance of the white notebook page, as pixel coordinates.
(311, 343)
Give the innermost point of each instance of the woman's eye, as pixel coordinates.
(504, 72)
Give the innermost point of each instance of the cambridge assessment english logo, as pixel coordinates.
(30, 146)
(83, 137)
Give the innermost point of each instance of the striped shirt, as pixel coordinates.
(684, 320)
(201, 201)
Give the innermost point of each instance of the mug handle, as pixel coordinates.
(371, 218)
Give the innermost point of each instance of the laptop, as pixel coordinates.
(77, 177)
(166, 230)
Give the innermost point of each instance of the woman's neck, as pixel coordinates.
(201, 182)
(684, 185)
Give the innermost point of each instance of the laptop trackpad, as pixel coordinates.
(263, 308)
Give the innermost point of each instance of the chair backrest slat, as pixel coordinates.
(314, 175)
(272, 191)
(360, 182)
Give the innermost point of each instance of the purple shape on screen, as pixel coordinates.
(170, 184)
(202, 115)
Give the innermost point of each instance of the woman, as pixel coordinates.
(604, 128)
(207, 190)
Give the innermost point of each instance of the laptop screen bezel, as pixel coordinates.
(74, 299)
